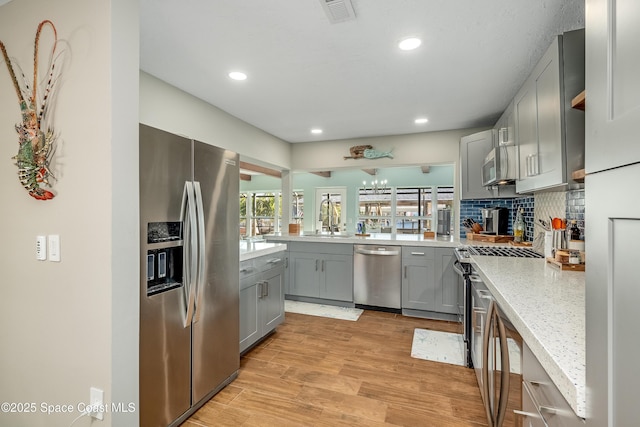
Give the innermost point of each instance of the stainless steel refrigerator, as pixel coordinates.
(189, 320)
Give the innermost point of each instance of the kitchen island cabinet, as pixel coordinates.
(261, 297)
(321, 271)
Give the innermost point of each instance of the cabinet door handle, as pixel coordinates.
(266, 289)
(286, 262)
(260, 290)
(405, 271)
(316, 265)
(274, 261)
(417, 253)
(322, 267)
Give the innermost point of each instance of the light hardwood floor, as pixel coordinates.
(315, 371)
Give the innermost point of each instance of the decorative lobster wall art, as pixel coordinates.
(36, 137)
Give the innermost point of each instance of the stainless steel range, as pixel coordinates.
(465, 269)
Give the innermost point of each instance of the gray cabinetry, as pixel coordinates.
(542, 403)
(613, 84)
(549, 132)
(447, 282)
(321, 270)
(473, 149)
(261, 298)
(418, 278)
(429, 282)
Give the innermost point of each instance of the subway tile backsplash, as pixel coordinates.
(561, 204)
(575, 208)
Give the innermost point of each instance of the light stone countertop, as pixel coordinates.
(547, 307)
(374, 238)
(251, 249)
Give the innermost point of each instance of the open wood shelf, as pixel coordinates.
(578, 175)
(579, 101)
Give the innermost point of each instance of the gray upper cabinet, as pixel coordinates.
(473, 149)
(613, 83)
(549, 132)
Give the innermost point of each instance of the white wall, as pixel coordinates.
(70, 325)
(413, 149)
(168, 108)
(428, 148)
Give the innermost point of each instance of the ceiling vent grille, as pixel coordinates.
(338, 10)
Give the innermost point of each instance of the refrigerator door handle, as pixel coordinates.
(201, 245)
(187, 217)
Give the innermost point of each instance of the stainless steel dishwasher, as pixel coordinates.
(377, 278)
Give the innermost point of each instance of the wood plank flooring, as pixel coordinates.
(315, 371)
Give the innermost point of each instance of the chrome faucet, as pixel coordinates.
(329, 211)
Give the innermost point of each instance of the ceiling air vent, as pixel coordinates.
(338, 10)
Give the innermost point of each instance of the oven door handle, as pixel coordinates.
(505, 368)
(458, 268)
(485, 364)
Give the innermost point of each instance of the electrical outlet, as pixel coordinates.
(96, 397)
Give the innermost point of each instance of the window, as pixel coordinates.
(258, 213)
(338, 197)
(414, 210)
(375, 209)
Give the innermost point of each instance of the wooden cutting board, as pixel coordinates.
(512, 243)
(489, 238)
(566, 266)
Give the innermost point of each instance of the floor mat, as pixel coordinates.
(321, 310)
(438, 346)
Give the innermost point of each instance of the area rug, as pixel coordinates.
(438, 346)
(321, 310)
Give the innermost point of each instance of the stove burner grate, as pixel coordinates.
(504, 251)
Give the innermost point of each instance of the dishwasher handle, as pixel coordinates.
(377, 252)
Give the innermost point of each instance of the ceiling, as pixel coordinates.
(349, 78)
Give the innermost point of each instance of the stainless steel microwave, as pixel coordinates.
(500, 166)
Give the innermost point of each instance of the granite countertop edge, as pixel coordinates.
(250, 250)
(547, 307)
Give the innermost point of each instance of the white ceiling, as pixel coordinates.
(349, 78)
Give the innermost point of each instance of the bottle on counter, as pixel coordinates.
(575, 231)
(518, 227)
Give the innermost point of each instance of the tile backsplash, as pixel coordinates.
(575, 209)
(560, 204)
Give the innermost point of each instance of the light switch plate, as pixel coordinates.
(54, 248)
(41, 248)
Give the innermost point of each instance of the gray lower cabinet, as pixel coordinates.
(321, 270)
(261, 298)
(447, 282)
(418, 278)
(542, 403)
(429, 282)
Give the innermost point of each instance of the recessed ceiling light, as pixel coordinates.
(238, 75)
(421, 120)
(316, 131)
(409, 43)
